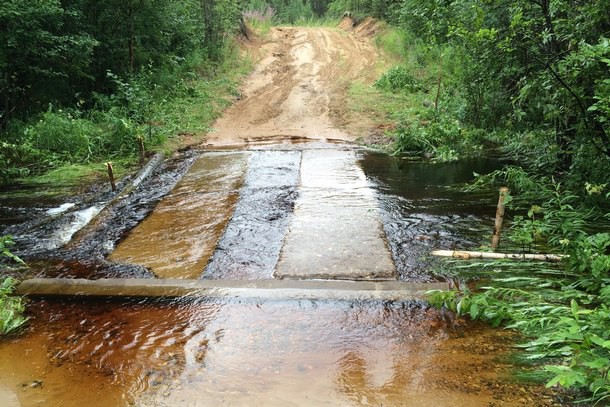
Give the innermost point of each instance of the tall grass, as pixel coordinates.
(160, 104)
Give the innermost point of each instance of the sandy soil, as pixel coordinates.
(299, 89)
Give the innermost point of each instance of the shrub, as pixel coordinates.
(11, 307)
(398, 78)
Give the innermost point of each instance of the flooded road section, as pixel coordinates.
(255, 353)
(248, 215)
(251, 243)
(314, 213)
(178, 238)
(336, 232)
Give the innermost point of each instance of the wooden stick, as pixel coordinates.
(459, 254)
(142, 150)
(438, 92)
(495, 240)
(111, 176)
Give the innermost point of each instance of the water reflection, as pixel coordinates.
(423, 209)
(179, 237)
(252, 352)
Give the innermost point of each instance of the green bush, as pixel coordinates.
(434, 134)
(563, 311)
(11, 307)
(63, 133)
(398, 78)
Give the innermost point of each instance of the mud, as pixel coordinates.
(299, 90)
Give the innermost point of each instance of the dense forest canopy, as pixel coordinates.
(537, 69)
(61, 51)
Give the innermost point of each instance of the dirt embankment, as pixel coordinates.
(299, 89)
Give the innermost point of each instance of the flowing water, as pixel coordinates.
(303, 211)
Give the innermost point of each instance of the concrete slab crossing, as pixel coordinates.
(263, 289)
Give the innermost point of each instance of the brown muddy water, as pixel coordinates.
(271, 353)
(302, 212)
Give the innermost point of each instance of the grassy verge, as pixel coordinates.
(169, 107)
(414, 101)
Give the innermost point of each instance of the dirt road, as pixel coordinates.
(299, 89)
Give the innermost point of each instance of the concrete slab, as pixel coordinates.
(180, 235)
(257, 289)
(336, 232)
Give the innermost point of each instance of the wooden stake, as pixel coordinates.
(495, 240)
(111, 176)
(438, 92)
(142, 151)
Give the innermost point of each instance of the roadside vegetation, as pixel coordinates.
(81, 81)
(12, 307)
(529, 79)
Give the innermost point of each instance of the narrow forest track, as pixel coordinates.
(299, 89)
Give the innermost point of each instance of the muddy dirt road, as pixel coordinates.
(299, 90)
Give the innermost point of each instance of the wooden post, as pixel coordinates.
(142, 151)
(495, 240)
(438, 92)
(111, 176)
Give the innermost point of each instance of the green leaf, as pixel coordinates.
(574, 308)
(474, 311)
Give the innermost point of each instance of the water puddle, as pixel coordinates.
(423, 209)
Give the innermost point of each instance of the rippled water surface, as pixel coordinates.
(249, 353)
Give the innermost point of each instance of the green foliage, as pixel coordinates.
(437, 135)
(42, 54)
(564, 312)
(80, 80)
(397, 79)
(359, 8)
(11, 307)
(536, 69)
(285, 12)
(5, 243)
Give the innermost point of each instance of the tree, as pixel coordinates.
(39, 60)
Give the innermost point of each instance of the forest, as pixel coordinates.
(81, 80)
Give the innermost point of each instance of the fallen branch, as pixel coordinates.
(459, 254)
